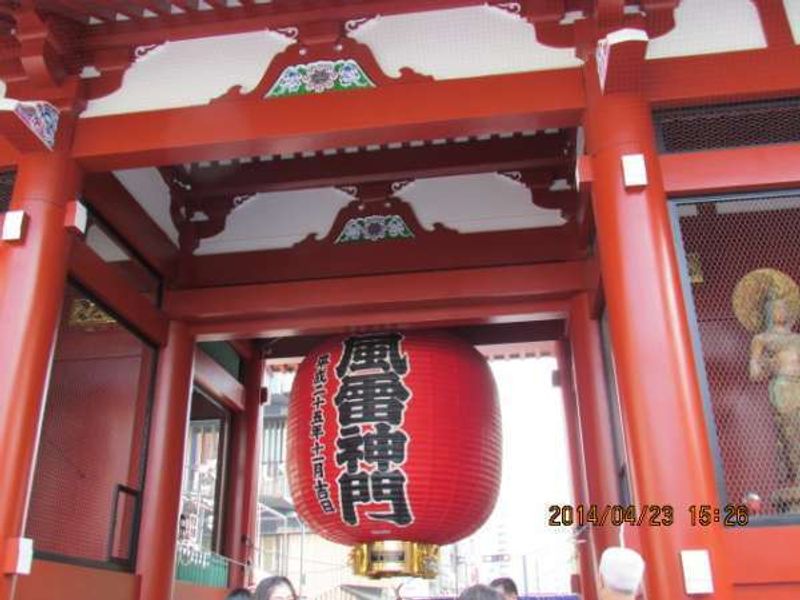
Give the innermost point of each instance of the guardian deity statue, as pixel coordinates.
(767, 303)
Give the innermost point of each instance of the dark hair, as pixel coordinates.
(268, 585)
(480, 592)
(506, 584)
(239, 594)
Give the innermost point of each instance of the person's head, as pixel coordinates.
(275, 588)
(506, 586)
(480, 592)
(621, 572)
(239, 594)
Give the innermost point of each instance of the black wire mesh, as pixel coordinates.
(7, 179)
(743, 262)
(728, 125)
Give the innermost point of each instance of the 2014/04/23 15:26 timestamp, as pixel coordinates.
(700, 515)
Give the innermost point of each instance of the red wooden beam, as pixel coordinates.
(429, 110)
(477, 335)
(218, 382)
(106, 283)
(716, 171)
(438, 109)
(728, 77)
(251, 17)
(428, 252)
(115, 205)
(362, 300)
(775, 23)
(426, 316)
(511, 154)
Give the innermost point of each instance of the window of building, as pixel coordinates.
(87, 487)
(204, 474)
(225, 355)
(744, 305)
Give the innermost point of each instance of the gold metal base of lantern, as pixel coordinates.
(395, 559)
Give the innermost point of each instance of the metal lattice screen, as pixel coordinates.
(743, 264)
(87, 486)
(728, 125)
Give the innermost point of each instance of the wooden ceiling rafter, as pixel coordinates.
(551, 152)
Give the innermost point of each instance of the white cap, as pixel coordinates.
(621, 569)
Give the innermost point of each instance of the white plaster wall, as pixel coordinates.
(793, 13)
(709, 27)
(191, 72)
(472, 203)
(277, 220)
(149, 189)
(461, 42)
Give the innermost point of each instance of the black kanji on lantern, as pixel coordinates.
(385, 446)
(317, 432)
(353, 489)
(351, 448)
(371, 399)
(390, 486)
(371, 402)
(369, 352)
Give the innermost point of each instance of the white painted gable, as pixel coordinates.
(466, 203)
(710, 27)
(461, 42)
(191, 72)
(793, 13)
(472, 203)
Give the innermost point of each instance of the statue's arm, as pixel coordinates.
(758, 370)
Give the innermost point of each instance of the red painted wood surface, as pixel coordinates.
(222, 386)
(90, 442)
(33, 275)
(59, 581)
(442, 109)
(413, 290)
(578, 458)
(588, 373)
(110, 286)
(109, 198)
(243, 475)
(420, 111)
(733, 169)
(438, 250)
(159, 524)
(658, 383)
(186, 591)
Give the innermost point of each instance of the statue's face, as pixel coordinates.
(779, 313)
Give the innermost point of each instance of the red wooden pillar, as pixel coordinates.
(244, 475)
(659, 391)
(158, 531)
(586, 562)
(595, 419)
(32, 275)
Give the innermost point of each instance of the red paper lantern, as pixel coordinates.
(394, 439)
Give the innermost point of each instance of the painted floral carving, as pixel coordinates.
(319, 77)
(41, 118)
(374, 228)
